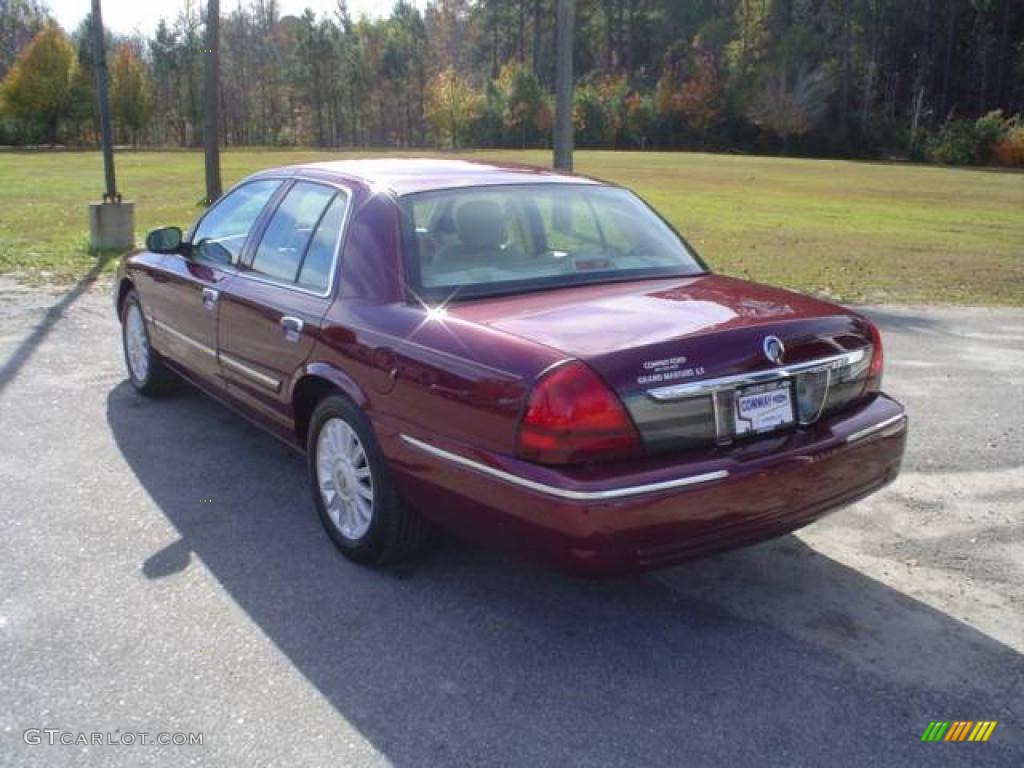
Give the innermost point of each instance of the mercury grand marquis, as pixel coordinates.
(527, 358)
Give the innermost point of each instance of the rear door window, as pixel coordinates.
(315, 272)
(290, 231)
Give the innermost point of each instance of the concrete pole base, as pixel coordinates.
(112, 225)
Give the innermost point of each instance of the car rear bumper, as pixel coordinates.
(605, 520)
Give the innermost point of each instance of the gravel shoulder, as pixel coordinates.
(162, 570)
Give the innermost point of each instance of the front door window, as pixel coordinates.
(221, 233)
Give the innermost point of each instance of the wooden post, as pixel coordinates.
(111, 221)
(106, 134)
(211, 99)
(563, 86)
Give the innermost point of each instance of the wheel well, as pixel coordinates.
(309, 391)
(122, 291)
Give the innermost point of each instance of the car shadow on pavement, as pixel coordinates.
(467, 657)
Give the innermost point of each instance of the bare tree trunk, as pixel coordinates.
(846, 73)
(609, 32)
(223, 123)
(521, 49)
(981, 46)
(494, 46)
(869, 95)
(563, 85)
(916, 119)
(618, 36)
(211, 81)
(947, 69)
(631, 38)
(536, 40)
(1004, 36)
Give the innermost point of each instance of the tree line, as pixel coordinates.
(925, 79)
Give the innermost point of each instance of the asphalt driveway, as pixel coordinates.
(161, 571)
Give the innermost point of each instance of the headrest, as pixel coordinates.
(480, 223)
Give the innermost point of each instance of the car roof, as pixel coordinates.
(407, 175)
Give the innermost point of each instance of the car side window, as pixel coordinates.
(222, 232)
(315, 272)
(291, 231)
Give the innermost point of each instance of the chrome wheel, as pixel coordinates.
(136, 344)
(344, 478)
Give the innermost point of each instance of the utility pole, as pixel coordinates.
(563, 85)
(106, 134)
(211, 98)
(111, 221)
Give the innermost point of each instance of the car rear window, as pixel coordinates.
(517, 238)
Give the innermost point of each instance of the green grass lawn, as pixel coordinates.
(854, 231)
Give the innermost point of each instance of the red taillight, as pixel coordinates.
(572, 416)
(874, 383)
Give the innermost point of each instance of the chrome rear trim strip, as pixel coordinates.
(565, 493)
(250, 373)
(707, 386)
(900, 419)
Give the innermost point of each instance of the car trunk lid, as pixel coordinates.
(679, 352)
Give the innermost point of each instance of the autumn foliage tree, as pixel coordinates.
(600, 111)
(903, 76)
(130, 96)
(791, 106)
(20, 20)
(697, 99)
(451, 104)
(526, 112)
(37, 91)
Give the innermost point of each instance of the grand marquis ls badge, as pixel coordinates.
(774, 349)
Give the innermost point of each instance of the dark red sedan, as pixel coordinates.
(532, 359)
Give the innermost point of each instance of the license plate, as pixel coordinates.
(764, 407)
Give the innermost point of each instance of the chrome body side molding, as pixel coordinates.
(250, 373)
(565, 493)
(237, 365)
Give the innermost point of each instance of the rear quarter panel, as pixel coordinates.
(423, 373)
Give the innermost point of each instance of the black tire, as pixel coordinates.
(395, 532)
(157, 378)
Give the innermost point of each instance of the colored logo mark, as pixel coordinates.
(958, 730)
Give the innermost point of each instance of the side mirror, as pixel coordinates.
(164, 240)
(210, 250)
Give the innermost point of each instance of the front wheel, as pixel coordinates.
(146, 371)
(352, 489)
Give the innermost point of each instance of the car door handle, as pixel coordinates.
(210, 297)
(292, 327)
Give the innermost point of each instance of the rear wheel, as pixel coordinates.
(352, 489)
(146, 371)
